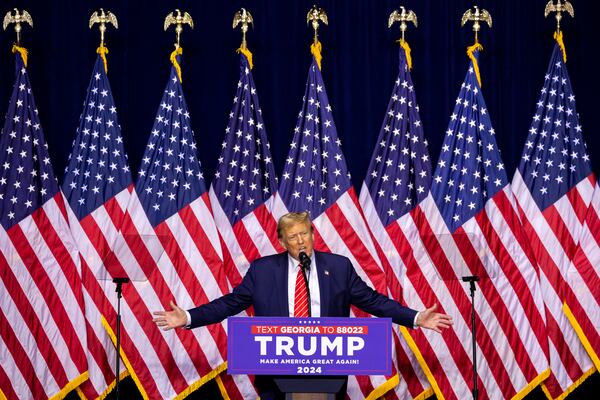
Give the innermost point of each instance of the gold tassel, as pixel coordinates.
(248, 55)
(22, 51)
(315, 49)
(559, 39)
(406, 47)
(177, 52)
(470, 52)
(103, 51)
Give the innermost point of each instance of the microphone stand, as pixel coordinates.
(119, 289)
(305, 266)
(472, 279)
(307, 288)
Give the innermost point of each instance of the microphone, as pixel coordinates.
(304, 260)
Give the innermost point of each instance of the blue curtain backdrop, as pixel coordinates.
(360, 61)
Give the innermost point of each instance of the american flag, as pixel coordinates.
(553, 187)
(469, 226)
(97, 186)
(315, 178)
(245, 182)
(241, 194)
(170, 249)
(42, 334)
(397, 179)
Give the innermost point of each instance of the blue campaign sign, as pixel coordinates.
(309, 346)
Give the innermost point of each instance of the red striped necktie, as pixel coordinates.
(300, 296)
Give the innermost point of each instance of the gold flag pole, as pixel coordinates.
(17, 19)
(476, 16)
(559, 8)
(403, 17)
(178, 19)
(244, 18)
(314, 16)
(102, 18)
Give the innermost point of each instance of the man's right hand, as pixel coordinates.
(167, 320)
(430, 319)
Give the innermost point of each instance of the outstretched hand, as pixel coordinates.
(430, 319)
(167, 320)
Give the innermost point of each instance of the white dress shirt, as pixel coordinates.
(313, 285)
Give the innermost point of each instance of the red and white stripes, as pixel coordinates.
(252, 237)
(180, 259)
(42, 327)
(508, 307)
(554, 234)
(583, 301)
(95, 235)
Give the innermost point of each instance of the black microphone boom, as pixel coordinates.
(304, 260)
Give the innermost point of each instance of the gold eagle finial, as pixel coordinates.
(178, 20)
(479, 15)
(103, 18)
(17, 19)
(403, 17)
(314, 15)
(559, 8)
(244, 18)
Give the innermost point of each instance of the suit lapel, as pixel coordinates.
(281, 280)
(324, 282)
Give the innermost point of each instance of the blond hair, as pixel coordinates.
(293, 218)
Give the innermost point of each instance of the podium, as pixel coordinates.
(309, 358)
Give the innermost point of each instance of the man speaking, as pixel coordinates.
(300, 282)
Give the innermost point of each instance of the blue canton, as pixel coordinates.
(315, 173)
(245, 177)
(98, 167)
(170, 176)
(399, 175)
(470, 169)
(554, 158)
(26, 177)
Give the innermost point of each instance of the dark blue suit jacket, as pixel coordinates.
(265, 286)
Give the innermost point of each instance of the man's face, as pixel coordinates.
(297, 238)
